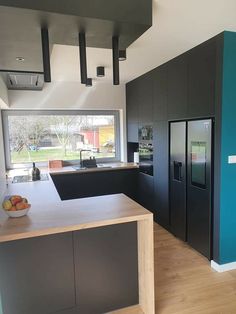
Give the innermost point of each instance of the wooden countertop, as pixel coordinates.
(101, 167)
(50, 215)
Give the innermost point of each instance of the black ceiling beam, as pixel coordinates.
(46, 55)
(115, 53)
(83, 58)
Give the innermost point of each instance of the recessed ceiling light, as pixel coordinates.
(21, 59)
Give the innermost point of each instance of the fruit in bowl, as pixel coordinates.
(16, 206)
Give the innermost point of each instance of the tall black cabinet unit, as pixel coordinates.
(187, 87)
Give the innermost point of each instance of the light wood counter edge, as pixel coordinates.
(71, 170)
(136, 309)
(72, 228)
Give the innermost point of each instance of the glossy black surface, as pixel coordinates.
(177, 180)
(199, 186)
(28, 178)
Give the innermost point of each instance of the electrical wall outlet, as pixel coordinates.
(232, 159)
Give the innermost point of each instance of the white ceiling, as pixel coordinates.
(178, 25)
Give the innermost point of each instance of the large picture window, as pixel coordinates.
(40, 136)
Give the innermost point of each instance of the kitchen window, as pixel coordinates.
(40, 136)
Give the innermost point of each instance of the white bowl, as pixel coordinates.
(17, 213)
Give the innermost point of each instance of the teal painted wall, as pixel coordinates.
(227, 245)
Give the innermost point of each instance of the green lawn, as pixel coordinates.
(50, 154)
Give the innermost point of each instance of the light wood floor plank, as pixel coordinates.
(184, 281)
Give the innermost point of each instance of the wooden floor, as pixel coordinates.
(185, 282)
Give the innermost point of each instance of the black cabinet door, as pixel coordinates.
(201, 80)
(146, 191)
(161, 179)
(37, 275)
(145, 98)
(160, 93)
(106, 268)
(79, 185)
(132, 132)
(132, 101)
(177, 87)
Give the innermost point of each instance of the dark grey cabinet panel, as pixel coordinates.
(106, 268)
(177, 87)
(37, 275)
(132, 132)
(146, 190)
(201, 80)
(132, 102)
(145, 98)
(161, 180)
(72, 186)
(160, 93)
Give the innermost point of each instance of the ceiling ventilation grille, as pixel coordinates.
(25, 81)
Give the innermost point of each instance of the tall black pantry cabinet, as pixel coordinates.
(185, 88)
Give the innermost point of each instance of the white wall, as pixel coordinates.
(72, 95)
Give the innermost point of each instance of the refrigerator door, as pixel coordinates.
(199, 186)
(178, 179)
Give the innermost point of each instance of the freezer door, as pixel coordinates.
(199, 186)
(177, 180)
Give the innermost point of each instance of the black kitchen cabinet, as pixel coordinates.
(132, 132)
(132, 101)
(177, 87)
(49, 266)
(160, 93)
(145, 98)
(132, 112)
(106, 268)
(79, 185)
(182, 89)
(201, 80)
(146, 191)
(161, 179)
(86, 271)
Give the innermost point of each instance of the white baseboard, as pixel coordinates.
(224, 267)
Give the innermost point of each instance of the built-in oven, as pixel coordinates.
(146, 149)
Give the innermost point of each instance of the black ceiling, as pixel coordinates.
(21, 22)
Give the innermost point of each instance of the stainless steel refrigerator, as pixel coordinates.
(190, 182)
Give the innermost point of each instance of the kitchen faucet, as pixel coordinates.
(80, 156)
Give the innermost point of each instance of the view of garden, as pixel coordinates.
(41, 138)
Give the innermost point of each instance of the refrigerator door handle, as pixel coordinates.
(178, 170)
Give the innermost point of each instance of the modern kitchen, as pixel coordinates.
(117, 157)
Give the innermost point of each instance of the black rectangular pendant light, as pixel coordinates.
(46, 55)
(83, 59)
(115, 50)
